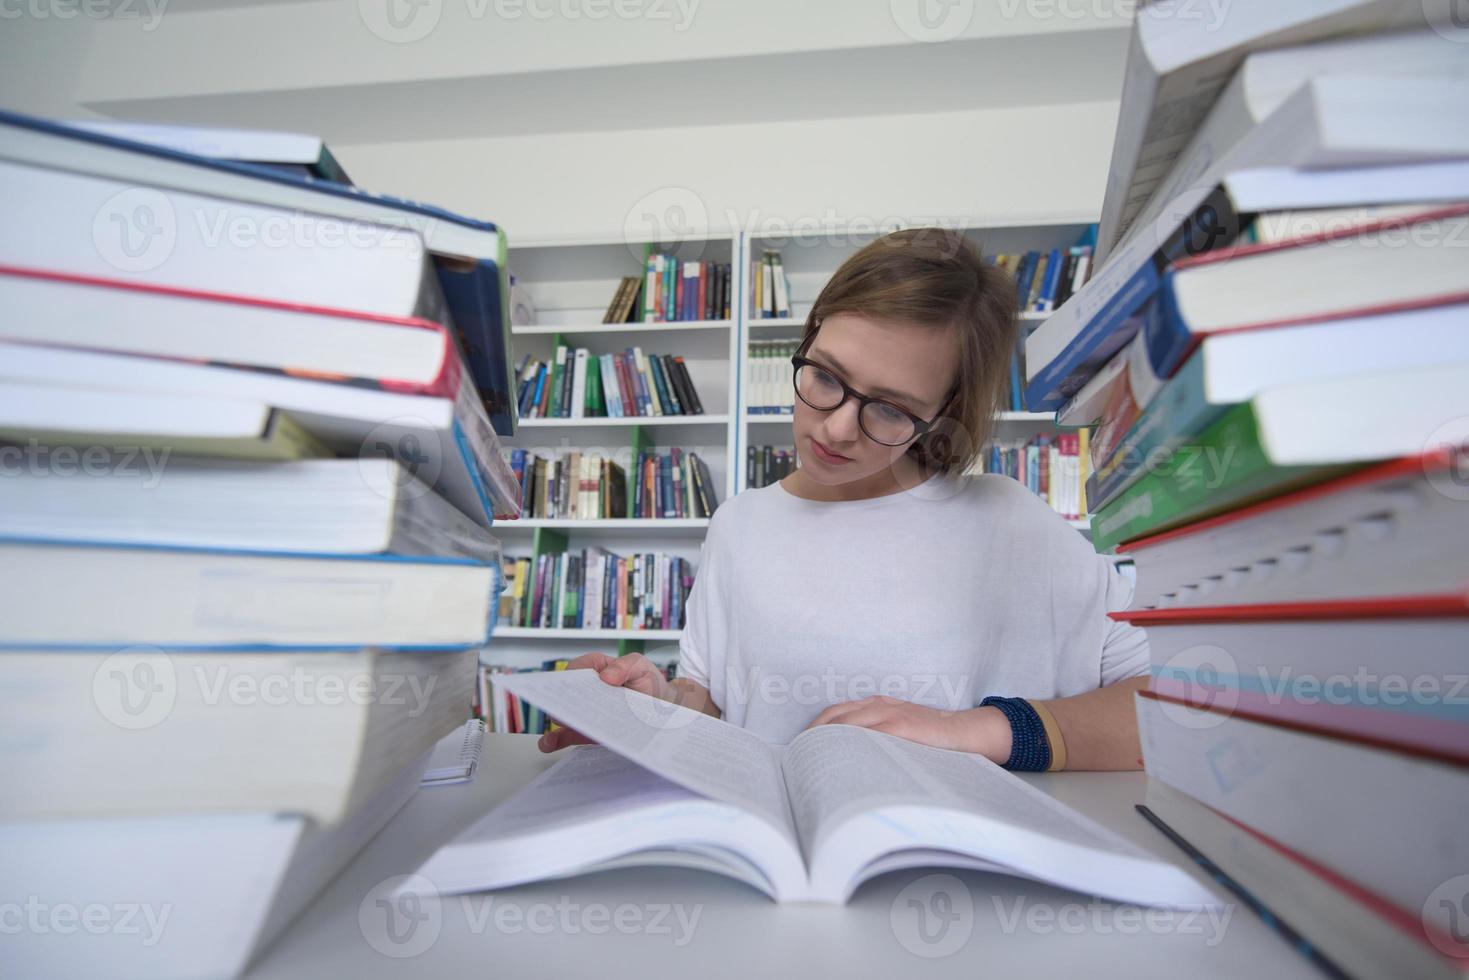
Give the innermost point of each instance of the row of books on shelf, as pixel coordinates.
(1053, 467)
(576, 383)
(672, 290)
(769, 377)
(217, 484)
(770, 289)
(1276, 361)
(596, 589)
(506, 714)
(590, 486)
(1045, 280)
(766, 464)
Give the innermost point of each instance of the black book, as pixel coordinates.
(688, 382)
(680, 390)
(750, 466)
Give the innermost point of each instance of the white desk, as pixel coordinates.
(988, 925)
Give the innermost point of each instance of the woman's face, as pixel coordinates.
(912, 368)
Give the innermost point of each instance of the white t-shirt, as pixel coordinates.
(942, 595)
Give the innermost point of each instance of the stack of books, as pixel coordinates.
(595, 589)
(673, 290)
(1278, 361)
(579, 384)
(244, 526)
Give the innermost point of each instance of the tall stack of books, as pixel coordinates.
(248, 481)
(1277, 355)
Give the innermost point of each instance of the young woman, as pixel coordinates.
(878, 585)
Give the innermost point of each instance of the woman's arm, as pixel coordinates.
(1098, 727)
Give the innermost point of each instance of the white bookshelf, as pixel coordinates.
(571, 284)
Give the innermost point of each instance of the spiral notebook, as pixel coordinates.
(456, 757)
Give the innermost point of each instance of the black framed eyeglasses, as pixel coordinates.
(880, 420)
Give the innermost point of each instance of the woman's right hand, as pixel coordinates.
(633, 671)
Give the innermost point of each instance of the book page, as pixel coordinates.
(835, 771)
(692, 749)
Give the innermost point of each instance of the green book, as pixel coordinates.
(1224, 468)
(594, 406)
(558, 368)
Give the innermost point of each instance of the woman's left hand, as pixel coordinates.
(985, 731)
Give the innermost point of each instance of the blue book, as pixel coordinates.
(470, 255)
(1024, 275)
(1047, 299)
(661, 382)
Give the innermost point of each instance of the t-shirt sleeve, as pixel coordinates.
(1124, 646)
(701, 612)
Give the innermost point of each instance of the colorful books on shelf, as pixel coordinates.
(770, 288)
(575, 383)
(674, 289)
(769, 381)
(1045, 280)
(765, 465)
(467, 256)
(1281, 378)
(589, 486)
(507, 714)
(1054, 467)
(595, 589)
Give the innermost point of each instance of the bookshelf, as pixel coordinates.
(571, 283)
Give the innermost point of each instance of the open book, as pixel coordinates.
(808, 821)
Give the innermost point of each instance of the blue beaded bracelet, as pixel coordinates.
(1030, 749)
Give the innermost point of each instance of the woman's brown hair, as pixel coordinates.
(935, 279)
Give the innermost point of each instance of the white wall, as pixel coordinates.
(1009, 123)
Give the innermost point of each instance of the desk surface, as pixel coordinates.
(663, 922)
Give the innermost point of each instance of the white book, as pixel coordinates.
(209, 731)
(782, 294)
(62, 221)
(53, 147)
(1267, 78)
(579, 383)
(1350, 929)
(640, 360)
(126, 318)
(251, 145)
(609, 386)
(1390, 821)
(805, 822)
(326, 506)
(561, 365)
(65, 594)
(1178, 64)
(445, 438)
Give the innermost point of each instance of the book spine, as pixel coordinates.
(688, 383)
(665, 392)
(579, 384)
(1228, 468)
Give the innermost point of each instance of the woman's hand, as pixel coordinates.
(984, 731)
(633, 671)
